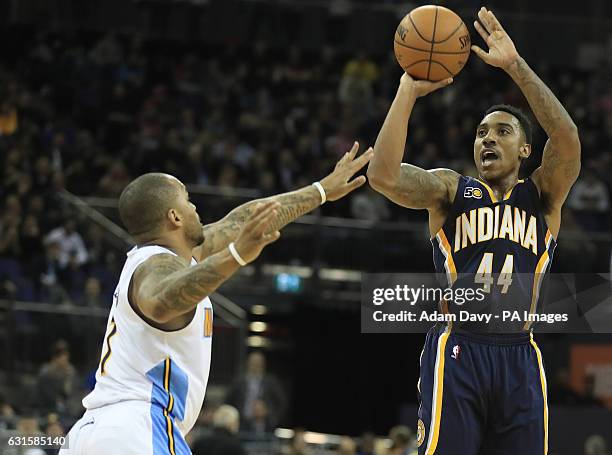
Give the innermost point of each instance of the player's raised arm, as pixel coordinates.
(561, 158)
(166, 286)
(405, 184)
(291, 205)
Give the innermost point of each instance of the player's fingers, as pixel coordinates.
(442, 83)
(484, 18)
(271, 237)
(481, 31)
(355, 183)
(496, 24)
(260, 207)
(478, 51)
(362, 160)
(353, 150)
(266, 219)
(262, 214)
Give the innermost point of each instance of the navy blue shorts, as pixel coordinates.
(481, 395)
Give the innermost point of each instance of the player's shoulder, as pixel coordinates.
(449, 177)
(161, 263)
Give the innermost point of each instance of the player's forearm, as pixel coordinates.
(183, 289)
(292, 205)
(549, 111)
(384, 168)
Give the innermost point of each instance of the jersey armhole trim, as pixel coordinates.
(141, 316)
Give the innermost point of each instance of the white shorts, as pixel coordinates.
(125, 428)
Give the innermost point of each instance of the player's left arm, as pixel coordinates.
(293, 204)
(561, 157)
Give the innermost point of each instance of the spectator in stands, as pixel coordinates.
(7, 415)
(401, 440)
(224, 440)
(369, 205)
(367, 444)
(56, 381)
(50, 285)
(71, 246)
(347, 446)
(27, 426)
(259, 423)
(92, 296)
(298, 444)
(10, 222)
(8, 118)
(53, 430)
(590, 198)
(595, 445)
(255, 385)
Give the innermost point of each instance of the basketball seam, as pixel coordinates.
(417, 30)
(427, 50)
(443, 66)
(433, 36)
(414, 63)
(451, 35)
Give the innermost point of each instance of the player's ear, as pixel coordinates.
(174, 217)
(525, 151)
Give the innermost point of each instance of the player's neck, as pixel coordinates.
(501, 185)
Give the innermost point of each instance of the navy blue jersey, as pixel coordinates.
(503, 246)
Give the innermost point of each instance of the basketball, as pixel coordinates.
(432, 42)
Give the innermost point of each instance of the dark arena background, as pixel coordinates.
(245, 99)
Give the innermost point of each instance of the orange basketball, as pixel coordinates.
(432, 43)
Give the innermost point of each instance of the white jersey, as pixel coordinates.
(166, 370)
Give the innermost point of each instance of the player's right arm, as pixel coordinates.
(166, 286)
(407, 185)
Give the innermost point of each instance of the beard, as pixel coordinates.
(195, 235)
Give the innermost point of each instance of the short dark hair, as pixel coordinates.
(144, 202)
(523, 119)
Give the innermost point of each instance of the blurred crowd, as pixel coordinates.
(88, 113)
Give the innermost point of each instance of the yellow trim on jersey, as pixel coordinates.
(509, 193)
(169, 429)
(170, 432)
(538, 277)
(488, 188)
(436, 411)
(492, 194)
(109, 351)
(208, 322)
(544, 387)
(451, 270)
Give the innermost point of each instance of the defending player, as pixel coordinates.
(483, 392)
(156, 352)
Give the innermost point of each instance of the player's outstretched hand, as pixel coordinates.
(254, 235)
(422, 88)
(337, 184)
(502, 52)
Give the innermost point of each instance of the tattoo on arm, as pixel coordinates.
(172, 287)
(421, 189)
(294, 204)
(561, 157)
(549, 111)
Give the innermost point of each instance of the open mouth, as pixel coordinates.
(488, 156)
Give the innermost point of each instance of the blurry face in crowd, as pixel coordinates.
(499, 146)
(256, 363)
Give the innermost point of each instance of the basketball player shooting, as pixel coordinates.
(483, 392)
(156, 354)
